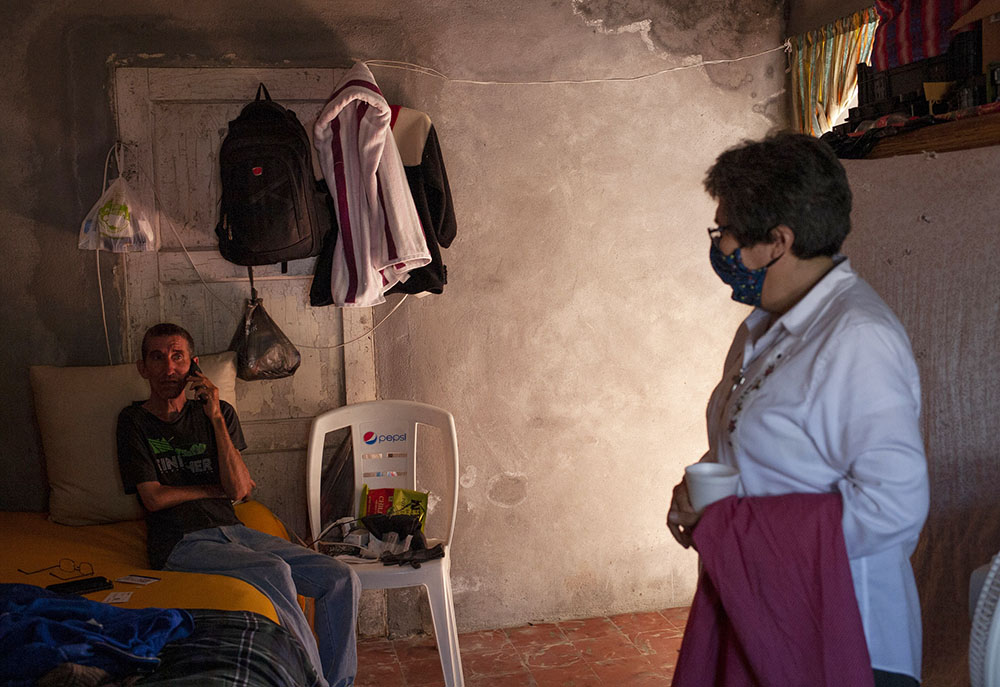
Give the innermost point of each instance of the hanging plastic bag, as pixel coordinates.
(117, 222)
(262, 349)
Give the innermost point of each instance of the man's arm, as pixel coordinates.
(234, 477)
(156, 496)
(233, 473)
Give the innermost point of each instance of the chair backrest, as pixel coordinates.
(384, 442)
(984, 640)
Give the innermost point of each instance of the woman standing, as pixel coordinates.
(820, 391)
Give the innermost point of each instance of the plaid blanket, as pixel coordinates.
(233, 648)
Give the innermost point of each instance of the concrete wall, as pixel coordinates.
(806, 15)
(582, 328)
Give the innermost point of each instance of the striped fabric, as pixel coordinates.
(824, 66)
(380, 237)
(911, 30)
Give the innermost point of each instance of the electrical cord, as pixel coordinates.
(115, 149)
(429, 71)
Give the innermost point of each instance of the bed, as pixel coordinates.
(31, 541)
(234, 634)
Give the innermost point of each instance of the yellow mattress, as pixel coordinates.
(29, 541)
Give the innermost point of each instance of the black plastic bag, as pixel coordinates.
(380, 524)
(262, 350)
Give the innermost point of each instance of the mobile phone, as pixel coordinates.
(84, 585)
(195, 369)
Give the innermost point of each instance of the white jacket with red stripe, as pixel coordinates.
(380, 238)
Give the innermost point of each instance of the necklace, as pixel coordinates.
(738, 380)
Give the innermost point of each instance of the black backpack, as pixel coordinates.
(273, 210)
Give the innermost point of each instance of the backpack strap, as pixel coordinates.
(263, 88)
(253, 291)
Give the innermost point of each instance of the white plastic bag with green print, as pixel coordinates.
(117, 223)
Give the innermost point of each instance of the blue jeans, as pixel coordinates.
(282, 570)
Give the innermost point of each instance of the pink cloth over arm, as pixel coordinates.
(775, 604)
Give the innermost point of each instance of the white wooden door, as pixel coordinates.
(172, 123)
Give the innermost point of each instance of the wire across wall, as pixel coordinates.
(415, 68)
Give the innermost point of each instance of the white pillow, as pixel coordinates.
(77, 410)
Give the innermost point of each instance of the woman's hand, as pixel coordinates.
(681, 518)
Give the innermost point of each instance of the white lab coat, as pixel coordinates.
(828, 399)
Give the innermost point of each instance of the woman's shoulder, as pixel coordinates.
(860, 306)
(859, 325)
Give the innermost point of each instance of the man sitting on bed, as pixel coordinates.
(182, 458)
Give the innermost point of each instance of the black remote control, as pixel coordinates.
(84, 585)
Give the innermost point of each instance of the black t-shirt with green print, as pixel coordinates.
(178, 453)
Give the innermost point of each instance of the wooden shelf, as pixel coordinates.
(972, 132)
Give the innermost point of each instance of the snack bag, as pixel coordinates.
(407, 502)
(375, 501)
(391, 501)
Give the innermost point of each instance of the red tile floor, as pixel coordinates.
(631, 650)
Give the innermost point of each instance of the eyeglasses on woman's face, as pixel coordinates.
(715, 233)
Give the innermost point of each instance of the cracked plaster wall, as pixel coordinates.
(806, 15)
(582, 328)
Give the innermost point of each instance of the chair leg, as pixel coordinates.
(446, 628)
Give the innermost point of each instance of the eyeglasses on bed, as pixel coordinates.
(65, 565)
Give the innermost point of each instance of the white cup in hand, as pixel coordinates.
(710, 482)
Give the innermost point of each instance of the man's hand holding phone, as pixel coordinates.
(203, 389)
(234, 478)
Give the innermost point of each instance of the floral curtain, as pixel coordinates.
(824, 69)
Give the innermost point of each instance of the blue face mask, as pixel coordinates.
(747, 284)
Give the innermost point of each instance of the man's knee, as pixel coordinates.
(273, 569)
(355, 582)
(342, 578)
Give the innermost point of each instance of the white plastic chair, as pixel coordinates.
(984, 640)
(384, 439)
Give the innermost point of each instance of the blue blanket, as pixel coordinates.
(40, 629)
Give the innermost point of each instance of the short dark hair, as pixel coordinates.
(786, 178)
(165, 329)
